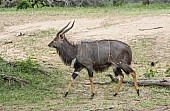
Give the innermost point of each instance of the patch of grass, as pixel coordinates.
(157, 97)
(26, 66)
(140, 48)
(150, 73)
(40, 86)
(45, 92)
(126, 9)
(167, 72)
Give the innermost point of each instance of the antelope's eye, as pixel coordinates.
(61, 36)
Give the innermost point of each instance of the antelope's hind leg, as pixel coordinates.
(128, 70)
(90, 73)
(120, 76)
(133, 74)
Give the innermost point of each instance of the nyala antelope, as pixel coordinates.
(96, 56)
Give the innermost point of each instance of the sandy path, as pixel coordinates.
(121, 28)
(101, 28)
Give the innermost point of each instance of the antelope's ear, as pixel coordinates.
(61, 36)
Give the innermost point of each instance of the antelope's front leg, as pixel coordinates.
(74, 75)
(77, 68)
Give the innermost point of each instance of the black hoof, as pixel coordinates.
(92, 96)
(115, 94)
(65, 94)
(138, 92)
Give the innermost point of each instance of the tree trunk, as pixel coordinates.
(145, 2)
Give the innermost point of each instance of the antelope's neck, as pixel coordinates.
(67, 52)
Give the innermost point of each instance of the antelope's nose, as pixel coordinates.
(50, 44)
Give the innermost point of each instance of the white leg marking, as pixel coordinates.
(73, 62)
(119, 77)
(76, 72)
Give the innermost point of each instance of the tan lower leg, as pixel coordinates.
(70, 83)
(92, 85)
(135, 81)
(119, 84)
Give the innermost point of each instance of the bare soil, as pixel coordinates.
(124, 28)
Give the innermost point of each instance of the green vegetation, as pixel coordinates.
(23, 4)
(26, 66)
(167, 72)
(150, 73)
(45, 92)
(126, 9)
(40, 86)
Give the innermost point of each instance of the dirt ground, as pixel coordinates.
(125, 28)
(122, 28)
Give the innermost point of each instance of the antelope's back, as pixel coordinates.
(98, 52)
(121, 52)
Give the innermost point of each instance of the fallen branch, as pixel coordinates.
(100, 83)
(163, 82)
(7, 78)
(162, 92)
(102, 109)
(151, 28)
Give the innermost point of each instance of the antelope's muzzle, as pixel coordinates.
(51, 44)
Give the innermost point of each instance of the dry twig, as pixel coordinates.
(151, 28)
(7, 78)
